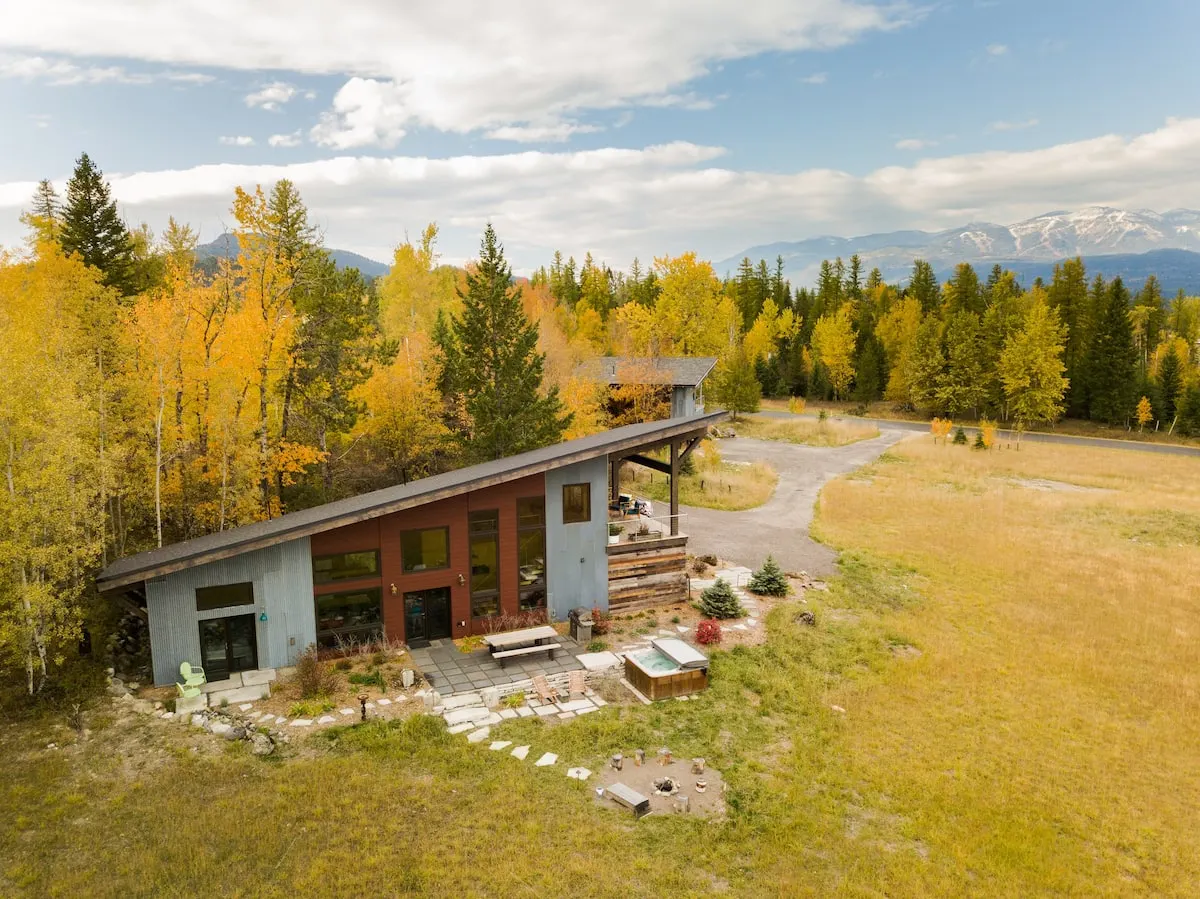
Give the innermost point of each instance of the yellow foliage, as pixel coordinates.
(796, 405)
(833, 343)
(1144, 412)
(940, 428)
(585, 400)
(987, 430)
(768, 329)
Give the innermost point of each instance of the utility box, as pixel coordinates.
(581, 625)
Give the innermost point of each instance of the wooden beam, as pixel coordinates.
(674, 487)
(692, 444)
(614, 480)
(647, 462)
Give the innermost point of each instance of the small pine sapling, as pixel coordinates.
(719, 601)
(960, 437)
(980, 443)
(770, 580)
(708, 632)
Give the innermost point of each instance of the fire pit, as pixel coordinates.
(665, 786)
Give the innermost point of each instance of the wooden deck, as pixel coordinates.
(645, 574)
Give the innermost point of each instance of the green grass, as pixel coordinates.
(1019, 679)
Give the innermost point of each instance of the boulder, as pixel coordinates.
(235, 732)
(261, 744)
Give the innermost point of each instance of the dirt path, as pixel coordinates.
(780, 526)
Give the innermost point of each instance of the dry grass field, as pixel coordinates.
(728, 486)
(808, 431)
(1013, 648)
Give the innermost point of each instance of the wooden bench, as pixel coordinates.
(524, 651)
(629, 798)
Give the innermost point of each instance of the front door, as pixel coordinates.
(426, 616)
(228, 645)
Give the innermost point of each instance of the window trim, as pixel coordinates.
(586, 486)
(493, 535)
(541, 584)
(358, 577)
(404, 569)
(235, 605)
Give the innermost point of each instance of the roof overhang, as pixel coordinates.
(260, 535)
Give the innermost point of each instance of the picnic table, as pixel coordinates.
(529, 641)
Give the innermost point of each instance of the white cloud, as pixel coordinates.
(271, 96)
(64, 73)
(997, 49)
(1013, 126)
(421, 64)
(816, 78)
(40, 119)
(915, 143)
(535, 134)
(240, 140)
(285, 140)
(663, 199)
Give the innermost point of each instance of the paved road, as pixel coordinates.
(780, 526)
(1033, 436)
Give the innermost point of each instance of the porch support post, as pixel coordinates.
(674, 488)
(614, 480)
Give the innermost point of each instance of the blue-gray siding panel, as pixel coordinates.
(283, 588)
(576, 557)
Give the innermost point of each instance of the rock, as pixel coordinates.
(520, 752)
(546, 760)
(807, 617)
(325, 719)
(219, 727)
(838, 709)
(235, 733)
(261, 744)
(491, 697)
(500, 744)
(142, 706)
(462, 701)
(478, 736)
(462, 716)
(198, 720)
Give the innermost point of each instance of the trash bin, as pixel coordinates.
(581, 625)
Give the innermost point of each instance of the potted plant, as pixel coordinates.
(614, 533)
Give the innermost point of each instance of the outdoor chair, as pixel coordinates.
(576, 685)
(545, 692)
(186, 692)
(193, 675)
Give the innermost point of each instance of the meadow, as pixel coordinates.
(1000, 697)
(807, 431)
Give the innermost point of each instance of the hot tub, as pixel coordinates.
(668, 668)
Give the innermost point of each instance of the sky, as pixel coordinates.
(624, 128)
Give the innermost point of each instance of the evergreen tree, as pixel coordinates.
(496, 367)
(869, 374)
(92, 227)
(719, 601)
(962, 293)
(1112, 358)
(1068, 293)
(45, 215)
(1148, 316)
(924, 286)
(994, 278)
(961, 385)
(1189, 411)
(769, 580)
(925, 364)
(1170, 383)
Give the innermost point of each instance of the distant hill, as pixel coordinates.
(1132, 244)
(226, 244)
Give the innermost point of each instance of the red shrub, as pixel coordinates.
(601, 622)
(708, 631)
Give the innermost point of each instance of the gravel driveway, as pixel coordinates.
(780, 526)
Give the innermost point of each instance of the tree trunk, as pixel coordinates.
(158, 423)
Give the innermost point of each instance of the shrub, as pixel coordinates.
(372, 679)
(303, 709)
(674, 619)
(313, 677)
(343, 665)
(597, 646)
(980, 443)
(513, 700)
(379, 658)
(770, 580)
(822, 415)
(960, 437)
(796, 405)
(601, 621)
(719, 601)
(708, 632)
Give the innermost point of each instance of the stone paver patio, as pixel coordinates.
(450, 671)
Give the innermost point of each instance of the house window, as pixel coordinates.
(345, 566)
(484, 529)
(425, 550)
(354, 616)
(224, 596)
(531, 553)
(577, 503)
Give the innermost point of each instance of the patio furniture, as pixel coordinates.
(507, 654)
(186, 692)
(529, 641)
(193, 675)
(629, 798)
(545, 692)
(576, 685)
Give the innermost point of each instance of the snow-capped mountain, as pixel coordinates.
(1090, 232)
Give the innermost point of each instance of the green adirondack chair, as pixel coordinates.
(187, 692)
(193, 675)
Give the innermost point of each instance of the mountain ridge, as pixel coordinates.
(1091, 232)
(226, 244)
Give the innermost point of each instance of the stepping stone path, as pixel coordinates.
(525, 712)
(246, 706)
(546, 760)
(346, 712)
(461, 728)
(383, 700)
(326, 719)
(579, 773)
(302, 722)
(478, 736)
(500, 744)
(520, 752)
(508, 713)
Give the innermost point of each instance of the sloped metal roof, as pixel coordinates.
(676, 371)
(177, 556)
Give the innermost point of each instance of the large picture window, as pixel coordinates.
(224, 596)
(425, 550)
(353, 616)
(485, 563)
(531, 553)
(345, 566)
(577, 503)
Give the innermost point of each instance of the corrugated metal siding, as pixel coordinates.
(577, 554)
(282, 579)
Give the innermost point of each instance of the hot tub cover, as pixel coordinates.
(680, 653)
